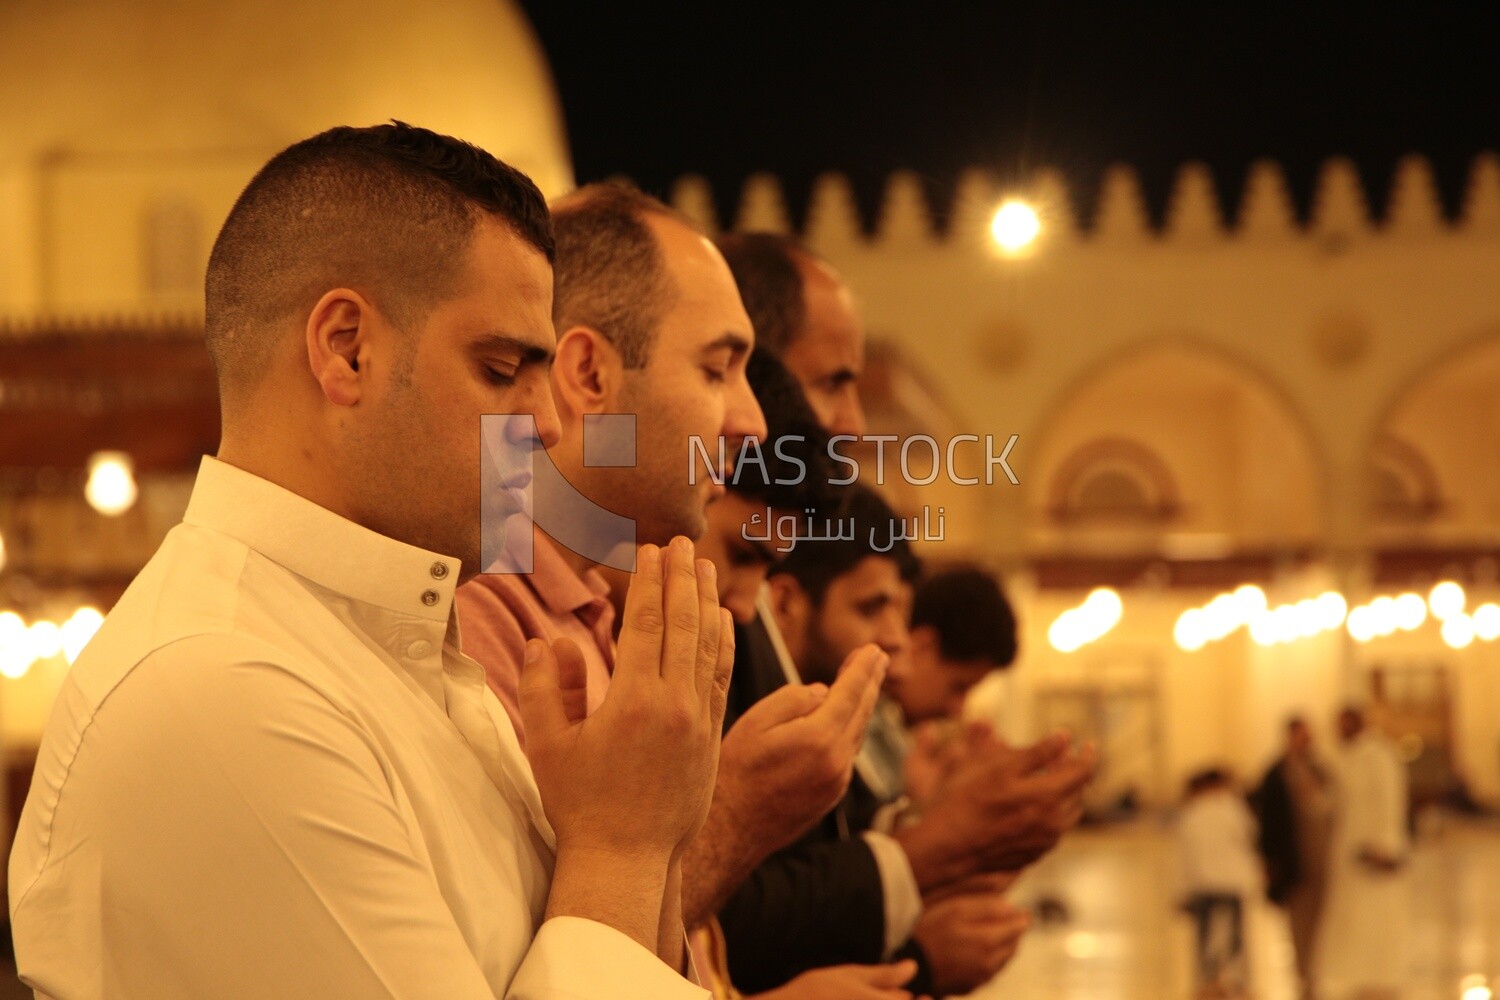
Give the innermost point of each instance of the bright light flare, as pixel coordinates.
(1458, 631)
(1091, 620)
(15, 645)
(1446, 600)
(111, 488)
(1361, 624)
(78, 630)
(1487, 622)
(1410, 612)
(1188, 632)
(1015, 226)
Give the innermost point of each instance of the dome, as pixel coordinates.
(143, 78)
(128, 127)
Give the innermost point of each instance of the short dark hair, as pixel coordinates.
(765, 267)
(970, 614)
(792, 432)
(816, 564)
(609, 274)
(389, 207)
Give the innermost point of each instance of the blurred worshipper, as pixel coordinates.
(1362, 944)
(789, 476)
(802, 311)
(789, 473)
(962, 629)
(651, 325)
(1216, 837)
(849, 894)
(805, 315)
(1294, 809)
(273, 773)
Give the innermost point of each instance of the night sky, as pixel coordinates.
(655, 90)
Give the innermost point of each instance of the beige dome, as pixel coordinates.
(127, 127)
(96, 77)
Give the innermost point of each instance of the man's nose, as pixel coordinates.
(849, 417)
(545, 428)
(742, 414)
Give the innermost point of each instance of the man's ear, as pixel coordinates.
(338, 345)
(793, 610)
(587, 372)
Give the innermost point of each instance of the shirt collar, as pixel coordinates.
(318, 544)
(559, 586)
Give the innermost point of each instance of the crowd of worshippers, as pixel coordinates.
(314, 751)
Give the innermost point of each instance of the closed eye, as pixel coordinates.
(500, 376)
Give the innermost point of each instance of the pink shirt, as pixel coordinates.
(498, 612)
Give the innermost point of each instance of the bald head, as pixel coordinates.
(804, 314)
(388, 211)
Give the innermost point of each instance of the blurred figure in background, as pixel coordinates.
(1294, 806)
(1364, 933)
(962, 629)
(1216, 840)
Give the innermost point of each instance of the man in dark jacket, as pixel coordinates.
(1294, 806)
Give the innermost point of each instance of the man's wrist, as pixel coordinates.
(621, 888)
(932, 862)
(717, 860)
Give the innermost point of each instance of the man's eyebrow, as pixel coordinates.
(529, 350)
(737, 342)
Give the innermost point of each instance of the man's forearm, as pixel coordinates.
(622, 891)
(716, 862)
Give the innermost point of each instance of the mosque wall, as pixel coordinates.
(1262, 364)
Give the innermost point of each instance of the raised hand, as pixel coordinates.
(784, 765)
(788, 760)
(627, 787)
(1000, 811)
(968, 938)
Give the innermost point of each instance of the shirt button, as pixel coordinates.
(429, 597)
(419, 649)
(439, 570)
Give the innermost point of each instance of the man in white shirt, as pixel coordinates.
(1362, 944)
(274, 773)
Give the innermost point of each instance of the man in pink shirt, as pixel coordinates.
(650, 324)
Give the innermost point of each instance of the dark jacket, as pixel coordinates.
(818, 902)
(1272, 803)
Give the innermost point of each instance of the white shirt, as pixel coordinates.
(273, 774)
(1216, 834)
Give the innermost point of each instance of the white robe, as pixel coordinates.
(1365, 925)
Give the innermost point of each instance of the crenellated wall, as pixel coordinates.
(1335, 318)
(1308, 403)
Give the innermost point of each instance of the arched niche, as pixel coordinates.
(1213, 458)
(1433, 482)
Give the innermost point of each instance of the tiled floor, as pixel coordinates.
(1125, 941)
